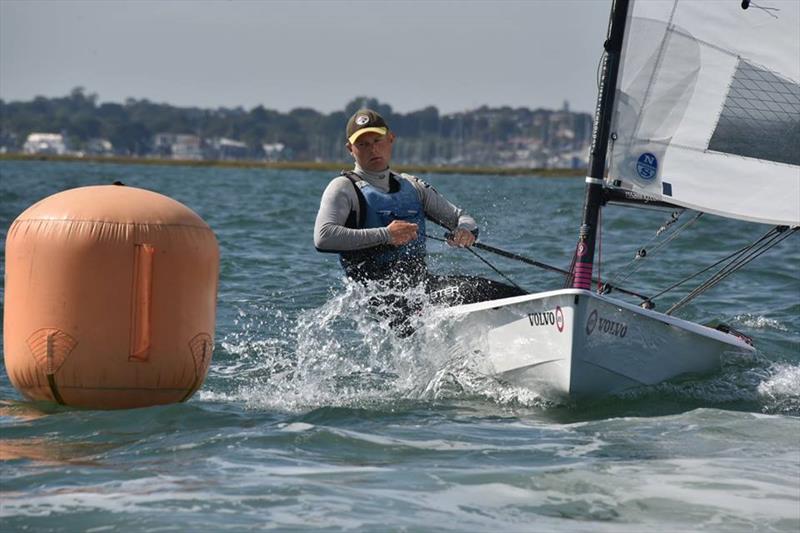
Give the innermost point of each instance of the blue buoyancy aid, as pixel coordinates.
(378, 210)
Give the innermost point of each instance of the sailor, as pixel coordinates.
(374, 219)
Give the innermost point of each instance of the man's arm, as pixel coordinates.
(330, 233)
(437, 208)
(441, 211)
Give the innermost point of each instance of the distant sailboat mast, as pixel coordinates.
(581, 271)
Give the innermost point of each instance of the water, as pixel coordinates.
(314, 416)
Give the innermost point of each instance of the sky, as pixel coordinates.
(456, 56)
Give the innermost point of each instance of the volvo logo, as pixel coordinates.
(548, 318)
(604, 325)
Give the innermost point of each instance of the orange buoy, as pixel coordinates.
(110, 299)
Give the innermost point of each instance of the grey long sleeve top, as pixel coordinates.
(340, 199)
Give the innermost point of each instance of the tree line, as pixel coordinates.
(307, 134)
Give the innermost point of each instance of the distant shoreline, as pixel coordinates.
(299, 165)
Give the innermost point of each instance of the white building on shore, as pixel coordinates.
(178, 146)
(45, 143)
(229, 149)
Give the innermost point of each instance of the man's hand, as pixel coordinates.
(461, 238)
(401, 232)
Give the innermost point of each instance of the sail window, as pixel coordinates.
(760, 118)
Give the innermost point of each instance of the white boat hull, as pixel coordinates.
(575, 343)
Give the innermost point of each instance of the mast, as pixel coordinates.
(581, 271)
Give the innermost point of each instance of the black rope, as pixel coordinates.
(509, 255)
(511, 281)
(476, 254)
(736, 261)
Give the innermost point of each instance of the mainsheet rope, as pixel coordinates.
(476, 254)
(607, 287)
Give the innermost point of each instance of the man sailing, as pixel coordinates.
(375, 220)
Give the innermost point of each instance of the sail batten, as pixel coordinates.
(707, 108)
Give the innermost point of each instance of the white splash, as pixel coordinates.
(781, 390)
(347, 353)
(759, 322)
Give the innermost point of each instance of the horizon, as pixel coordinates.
(288, 55)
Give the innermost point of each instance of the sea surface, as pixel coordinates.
(315, 416)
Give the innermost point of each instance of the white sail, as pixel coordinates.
(707, 108)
